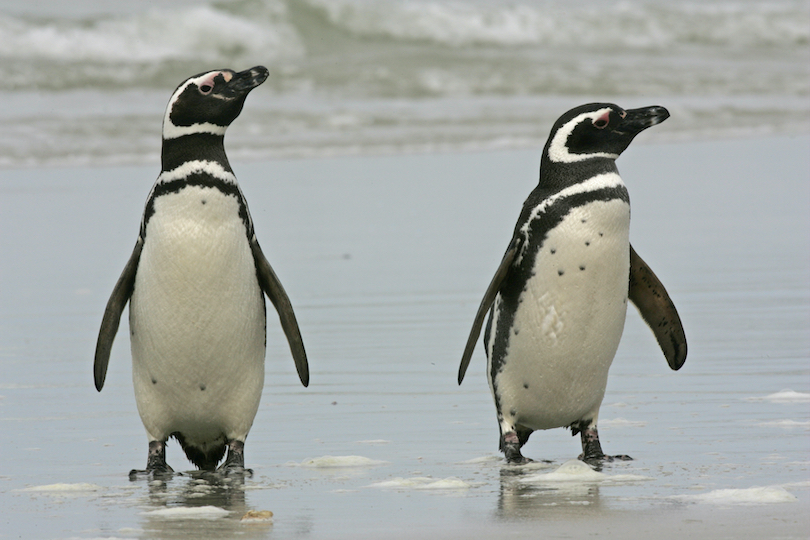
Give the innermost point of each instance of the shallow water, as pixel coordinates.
(385, 260)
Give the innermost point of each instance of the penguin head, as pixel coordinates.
(210, 101)
(598, 130)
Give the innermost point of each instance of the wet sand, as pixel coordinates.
(385, 259)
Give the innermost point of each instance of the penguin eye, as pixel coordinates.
(602, 121)
(205, 89)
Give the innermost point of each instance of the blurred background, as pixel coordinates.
(86, 82)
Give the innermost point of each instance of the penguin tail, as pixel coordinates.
(204, 457)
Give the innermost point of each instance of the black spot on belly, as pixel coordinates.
(553, 251)
(154, 380)
(202, 387)
(516, 331)
(601, 234)
(512, 412)
(584, 220)
(587, 243)
(526, 385)
(582, 267)
(203, 201)
(560, 272)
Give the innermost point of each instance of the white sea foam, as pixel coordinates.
(786, 424)
(59, 490)
(334, 462)
(422, 483)
(156, 35)
(746, 496)
(576, 471)
(188, 512)
(783, 396)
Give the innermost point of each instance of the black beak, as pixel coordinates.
(638, 120)
(245, 81)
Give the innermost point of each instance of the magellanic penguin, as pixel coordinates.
(195, 284)
(558, 301)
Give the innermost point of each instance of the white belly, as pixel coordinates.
(569, 322)
(197, 320)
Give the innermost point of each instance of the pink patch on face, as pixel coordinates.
(602, 121)
(208, 81)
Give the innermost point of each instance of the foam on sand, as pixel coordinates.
(576, 471)
(334, 462)
(784, 396)
(746, 496)
(422, 483)
(188, 512)
(65, 490)
(786, 424)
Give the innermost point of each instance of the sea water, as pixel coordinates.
(385, 260)
(86, 82)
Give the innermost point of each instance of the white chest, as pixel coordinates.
(197, 315)
(569, 319)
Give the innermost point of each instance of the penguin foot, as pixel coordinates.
(234, 464)
(156, 466)
(592, 449)
(510, 445)
(602, 458)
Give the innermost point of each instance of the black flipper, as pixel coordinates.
(112, 315)
(486, 303)
(657, 310)
(271, 286)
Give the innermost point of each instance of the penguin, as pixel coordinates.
(558, 300)
(195, 284)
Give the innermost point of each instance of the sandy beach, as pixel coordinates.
(385, 259)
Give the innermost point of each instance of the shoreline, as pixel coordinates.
(384, 259)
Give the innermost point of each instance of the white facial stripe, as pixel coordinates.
(601, 181)
(558, 149)
(198, 166)
(170, 131)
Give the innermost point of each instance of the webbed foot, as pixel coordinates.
(156, 466)
(592, 449)
(234, 464)
(510, 445)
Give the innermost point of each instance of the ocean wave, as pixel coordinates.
(359, 76)
(294, 37)
(636, 24)
(144, 49)
(205, 31)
